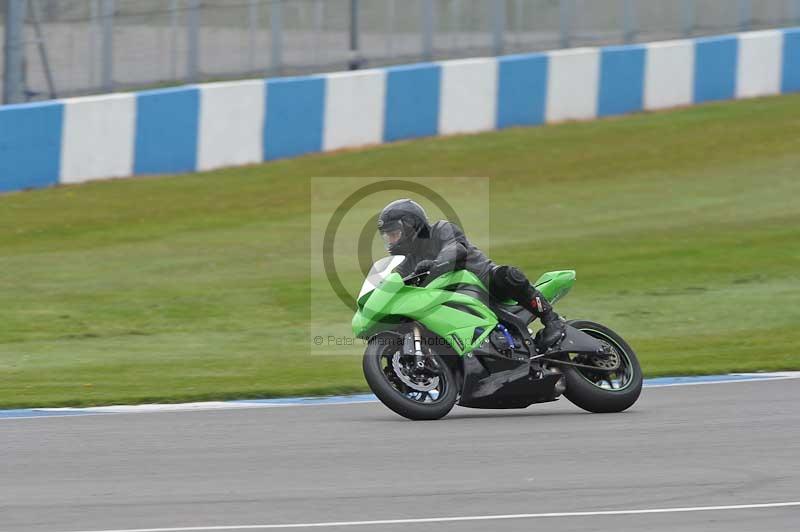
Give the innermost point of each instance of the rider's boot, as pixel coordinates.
(553, 325)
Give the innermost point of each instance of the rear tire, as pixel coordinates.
(377, 349)
(583, 392)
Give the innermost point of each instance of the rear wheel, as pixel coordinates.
(604, 391)
(416, 389)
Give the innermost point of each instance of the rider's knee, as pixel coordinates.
(509, 282)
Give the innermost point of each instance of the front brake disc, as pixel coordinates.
(428, 385)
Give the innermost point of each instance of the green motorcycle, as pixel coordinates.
(445, 342)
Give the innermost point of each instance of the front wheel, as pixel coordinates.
(603, 391)
(416, 392)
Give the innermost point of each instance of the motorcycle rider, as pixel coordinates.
(442, 246)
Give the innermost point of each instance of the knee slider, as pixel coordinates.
(515, 278)
(509, 282)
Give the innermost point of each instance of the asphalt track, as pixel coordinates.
(690, 458)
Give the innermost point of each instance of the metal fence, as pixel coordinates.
(55, 48)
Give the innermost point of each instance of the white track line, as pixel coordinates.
(463, 518)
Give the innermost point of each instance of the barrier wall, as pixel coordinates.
(224, 124)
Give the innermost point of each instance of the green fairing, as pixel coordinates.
(381, 309)
(392, 298)
(555, 285)
(457, 277)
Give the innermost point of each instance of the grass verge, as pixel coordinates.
(684, 228)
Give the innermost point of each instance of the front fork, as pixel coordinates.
(412, 346)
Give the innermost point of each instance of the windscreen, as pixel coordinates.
(380, 271)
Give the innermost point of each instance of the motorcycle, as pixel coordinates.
(432, 345)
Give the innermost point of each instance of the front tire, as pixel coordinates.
(394, 393)
(603, 392)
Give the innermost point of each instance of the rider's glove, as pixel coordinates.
(433, 267)
(424, 266)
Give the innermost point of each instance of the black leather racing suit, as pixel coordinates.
(448, 245)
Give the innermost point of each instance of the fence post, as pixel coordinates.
(565, 22)
(519, 20)
(390, 15)
(355, 59)
(745, 14)
(688, 17)
(498, 8)
(94, 24)
(319, 26)
(173, 39)
(193, 40)
(107, 44)
(276, 37)
(14, 52)
(629, 20)
(252, 26)
(428, 21)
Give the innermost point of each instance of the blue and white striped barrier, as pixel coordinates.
(214, 125)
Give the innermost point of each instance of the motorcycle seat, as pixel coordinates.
(513, 314)
(513, 308)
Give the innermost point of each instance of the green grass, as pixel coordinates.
(684, 228)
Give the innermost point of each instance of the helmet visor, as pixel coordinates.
(392, 233)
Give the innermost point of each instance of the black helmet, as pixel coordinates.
(400, 223)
